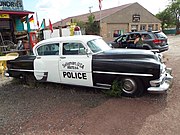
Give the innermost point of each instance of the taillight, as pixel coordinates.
(156, 41)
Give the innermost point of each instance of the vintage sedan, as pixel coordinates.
(87, 60)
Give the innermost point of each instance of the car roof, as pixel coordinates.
(84, 38)
(140, 32)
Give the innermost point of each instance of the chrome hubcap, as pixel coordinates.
(129, 85)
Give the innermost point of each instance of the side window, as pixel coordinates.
(73, 48)
(48, 49)
(122, 38)
(146, 36)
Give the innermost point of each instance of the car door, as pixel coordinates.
(47, 62)
(75, 65)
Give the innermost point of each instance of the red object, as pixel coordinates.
(157, 41)
(50, 26)
(31, 19)
(100, 4)
(33, 39)
(23, 13)
(77, 28)
(38, 24)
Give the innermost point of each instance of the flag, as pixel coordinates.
(31, 19)
(50, 26)
(37, 20)
(100, 4)
(42, 25)
(23, 19)
(28, 24)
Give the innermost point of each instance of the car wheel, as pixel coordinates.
(30, 80)
(131, 87)
(147, 47)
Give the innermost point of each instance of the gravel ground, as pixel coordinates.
(64, 110)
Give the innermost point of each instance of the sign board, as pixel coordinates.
(15, 5)
(47, 33)
(135, 18)
(4, 15)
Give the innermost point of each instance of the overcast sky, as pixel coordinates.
(55, 10)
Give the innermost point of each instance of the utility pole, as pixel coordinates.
(90, 9)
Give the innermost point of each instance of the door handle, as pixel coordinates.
(38, 57)
(62, 57)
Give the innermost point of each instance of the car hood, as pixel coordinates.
(126, 54)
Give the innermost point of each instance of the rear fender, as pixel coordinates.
(147, 47)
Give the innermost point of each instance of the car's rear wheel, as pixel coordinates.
(30, 80)
(147, 47)
(131, 87)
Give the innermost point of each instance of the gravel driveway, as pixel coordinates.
(65, 110)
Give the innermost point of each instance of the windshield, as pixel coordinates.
(98, 45)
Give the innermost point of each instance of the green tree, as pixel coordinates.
(166, 18)
(174, 9)
(81, 24)
(92, 26)
(170, 17)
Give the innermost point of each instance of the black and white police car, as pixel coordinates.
(87, 60)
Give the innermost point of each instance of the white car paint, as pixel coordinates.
(68, 69)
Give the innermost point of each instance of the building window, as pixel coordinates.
(134, 28)
(150, 27)
(118, 33)
(156, 27)
(143, 27)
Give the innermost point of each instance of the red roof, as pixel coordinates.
(16, 12)
(84, 17)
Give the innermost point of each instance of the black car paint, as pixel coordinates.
(129, 61)
(20, 66)
(137, 63)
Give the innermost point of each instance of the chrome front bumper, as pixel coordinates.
(163, 84)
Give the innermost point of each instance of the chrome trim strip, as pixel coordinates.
(116, 73)
(107, 85)
(165, 82)
(101, 87)
(23, 70)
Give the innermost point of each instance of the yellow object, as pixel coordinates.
(72, 26)
(4, 16)
(2, 68)
(3, 60)
(12, 54)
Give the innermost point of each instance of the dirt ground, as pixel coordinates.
(55, 109)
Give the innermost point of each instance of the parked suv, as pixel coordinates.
(151, 40)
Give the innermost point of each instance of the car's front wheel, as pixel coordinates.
(131, 87)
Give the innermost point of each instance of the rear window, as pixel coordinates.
(160, 35)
